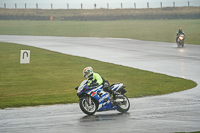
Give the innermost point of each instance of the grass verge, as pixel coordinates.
(149, 30)
(50, 78)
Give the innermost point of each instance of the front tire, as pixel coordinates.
(182, 43)
(124, 106)
(86, 108)
(178, 44)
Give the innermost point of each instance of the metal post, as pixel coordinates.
(147, 4)
(135, 5)
(15, 6)
(36, 5)
(4, 5)
(81, 6)
(173, 4)
(67, 6)
(188, 3)
(95, 6)
(121, 6)
(160, 4)
(107, 6)
(51, 6)
(25, 5)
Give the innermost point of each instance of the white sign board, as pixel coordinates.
(25, 56)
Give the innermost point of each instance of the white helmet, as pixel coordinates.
(87, 72)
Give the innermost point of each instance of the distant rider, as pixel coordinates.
(178, 33)
(95, 79)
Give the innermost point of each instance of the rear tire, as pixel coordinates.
(86, 108)
(124, 106)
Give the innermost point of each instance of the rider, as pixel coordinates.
(95, 79)
(178, 33)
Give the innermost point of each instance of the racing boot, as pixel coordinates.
(113, 97)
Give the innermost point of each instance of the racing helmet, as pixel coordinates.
(180, 29)
(87, 72)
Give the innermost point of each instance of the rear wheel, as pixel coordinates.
(124, 105)
(87, 108)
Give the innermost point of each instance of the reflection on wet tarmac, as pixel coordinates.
(104, 117)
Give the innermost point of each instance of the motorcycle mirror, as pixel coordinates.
(76, 88)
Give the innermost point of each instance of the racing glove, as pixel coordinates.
(93, 84)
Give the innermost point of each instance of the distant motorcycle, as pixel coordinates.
(95, 99)
(180, 41)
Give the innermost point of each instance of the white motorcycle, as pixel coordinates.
(180, 41)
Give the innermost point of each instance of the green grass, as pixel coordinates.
(149, 30)
(50, 77)
(189, 132)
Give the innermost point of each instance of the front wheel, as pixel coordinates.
(87, 108)
(182, 43)
(178, 44)
(124, 105)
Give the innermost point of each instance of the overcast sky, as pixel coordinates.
(89, 4)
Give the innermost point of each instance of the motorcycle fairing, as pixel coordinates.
(102, 97)
(89, 97)
(181, 37)
(116, 86)
(103, 105)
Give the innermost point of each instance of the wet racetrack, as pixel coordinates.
(176, 112)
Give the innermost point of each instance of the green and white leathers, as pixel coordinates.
(94, 78)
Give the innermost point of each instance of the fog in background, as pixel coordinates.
(89, 4)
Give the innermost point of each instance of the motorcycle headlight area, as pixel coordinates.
(80, 88)
(181, 38)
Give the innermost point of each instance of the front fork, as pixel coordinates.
(88, 100)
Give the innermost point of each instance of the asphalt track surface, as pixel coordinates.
(176, 112)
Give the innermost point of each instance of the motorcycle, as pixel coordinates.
(180, 41)
(95, 99)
